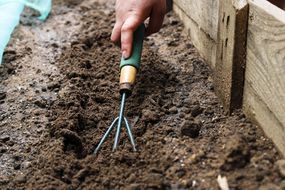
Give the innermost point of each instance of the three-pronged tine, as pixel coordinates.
(119, 120)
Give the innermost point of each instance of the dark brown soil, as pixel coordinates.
(59, 93)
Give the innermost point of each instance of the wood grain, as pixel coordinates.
(265, 69)
(203, 12)
(201, 40)
(231, 53)
(260, 114)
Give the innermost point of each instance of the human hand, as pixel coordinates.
(130, 14)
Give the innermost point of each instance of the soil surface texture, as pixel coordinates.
(59, 93)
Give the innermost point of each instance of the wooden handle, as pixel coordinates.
(127, 78)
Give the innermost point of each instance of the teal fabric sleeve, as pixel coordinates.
(10, 12)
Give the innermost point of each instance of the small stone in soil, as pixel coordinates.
(20, 178)
(26, 164)
(191, 129)
(197, 110)
(173, 110)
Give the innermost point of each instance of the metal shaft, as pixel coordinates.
(121, 117)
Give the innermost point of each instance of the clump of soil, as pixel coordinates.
(184, 139)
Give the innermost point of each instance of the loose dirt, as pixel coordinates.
(59, 93)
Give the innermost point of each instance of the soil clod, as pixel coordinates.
(197, 110)
(191, 128)
(238, 155)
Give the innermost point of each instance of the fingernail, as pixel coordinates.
(124, 54)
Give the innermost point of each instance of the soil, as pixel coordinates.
(59, 93)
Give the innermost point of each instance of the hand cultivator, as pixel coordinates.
(129, 68)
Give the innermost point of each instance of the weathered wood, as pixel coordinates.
(201, 40)
(203, 12)
(264, 93)
(231, 52)
(260, 114)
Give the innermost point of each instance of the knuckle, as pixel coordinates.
(126, 28)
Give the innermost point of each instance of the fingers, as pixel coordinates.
(127, 30)
(116, 33)
(130, 14)
(155, 21)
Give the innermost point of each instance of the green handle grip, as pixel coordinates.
(135, 58)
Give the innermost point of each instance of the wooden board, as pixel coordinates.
(258, 111)
(231, 53)
(203, 12)
(264, 93)
(202, 41)
(218, 31)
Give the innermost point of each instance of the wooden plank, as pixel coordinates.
(265, 69)
(258, 111)
(202, 12)
(231, 53)
(201, 40)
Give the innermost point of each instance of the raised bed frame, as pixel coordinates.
(244, 44)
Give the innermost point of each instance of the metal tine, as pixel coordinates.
(130, 134)
(105, 136)
(121, 115)
(118, 132)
